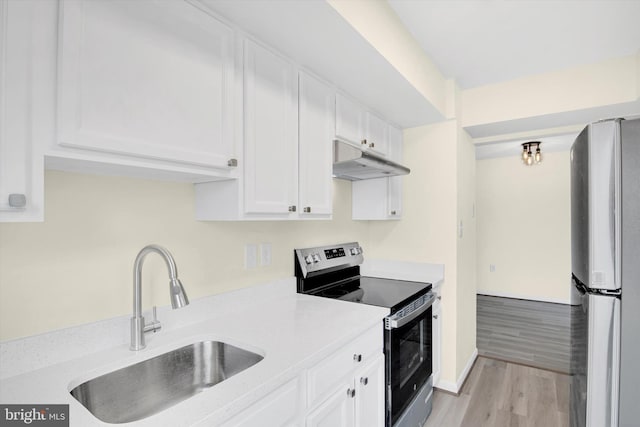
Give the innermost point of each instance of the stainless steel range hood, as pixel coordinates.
(353, 164)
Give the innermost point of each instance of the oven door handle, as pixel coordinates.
(395, 321)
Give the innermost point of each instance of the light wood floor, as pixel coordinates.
(503, 394)
(531, 333)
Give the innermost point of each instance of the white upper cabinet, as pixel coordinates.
(270, 132)
(376, 133)
(381, 198)
(349, 120)
(21, 163)
(360, 127)
(146, 79)
(394, 191)
(315, 146)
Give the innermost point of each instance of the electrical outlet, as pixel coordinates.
(265, 254)
(250, 256)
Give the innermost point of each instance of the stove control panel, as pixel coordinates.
(316, 260)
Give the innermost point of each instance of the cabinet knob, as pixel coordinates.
(232, 163)
(435, 316)
(393, 212)
(363, 142)
(292, 208)
(17, 200)
(439, 297)
(357, 357)
(364, 380)
(351, 392)
(307, 209)
(372, 145)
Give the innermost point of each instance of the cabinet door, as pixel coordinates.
(436, 327)
(147, 79)
(370, 407)
(316, 132)
(21, 162)
(349, 120)
(394, 192)
(270, 132)
(337, 411)
(376, 134)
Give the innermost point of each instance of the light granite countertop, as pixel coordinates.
(290, 330)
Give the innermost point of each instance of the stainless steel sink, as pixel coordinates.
(148, 387)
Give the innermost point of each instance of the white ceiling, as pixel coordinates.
(480, 42)
(316, 37)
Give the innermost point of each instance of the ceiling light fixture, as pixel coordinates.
(528, 157)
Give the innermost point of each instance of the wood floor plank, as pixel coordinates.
(504, 394)
(529, 332)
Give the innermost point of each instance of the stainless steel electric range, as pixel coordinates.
(334, 272)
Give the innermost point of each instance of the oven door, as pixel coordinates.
(408, 355)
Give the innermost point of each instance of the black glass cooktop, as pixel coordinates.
(390, 293)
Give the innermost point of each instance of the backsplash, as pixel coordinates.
(77, 266)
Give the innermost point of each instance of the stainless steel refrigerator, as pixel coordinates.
(605, 258)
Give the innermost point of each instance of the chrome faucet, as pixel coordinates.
(176, 291)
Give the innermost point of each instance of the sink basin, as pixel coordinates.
(146, 388)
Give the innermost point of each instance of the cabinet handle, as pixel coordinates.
(232, 163)
(351, 392)
(357, 357)
(364, 380)
(393, 212)
(435, 316)
(307, 209)
(439, 297)
(372, 145)
(363, 142)
(292, 208)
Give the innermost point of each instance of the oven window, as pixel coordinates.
(409, 358)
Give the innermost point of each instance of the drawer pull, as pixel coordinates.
(307, 209)
(351, 392)
(292, 208)
(364, 380)
(357, 357)
(372, 145)
(435, 316)
(439, 297)
(363, 142)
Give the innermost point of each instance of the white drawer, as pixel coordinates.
(323, 377)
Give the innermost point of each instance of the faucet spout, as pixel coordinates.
(176, 291)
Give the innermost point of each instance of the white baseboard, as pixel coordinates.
(527, 297)
(452, 387)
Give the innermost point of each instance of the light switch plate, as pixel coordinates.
(250, 256)
(265, 254)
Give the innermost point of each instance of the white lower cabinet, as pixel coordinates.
(357, 401)
(347, 388)
(279, 409)
(337, 411)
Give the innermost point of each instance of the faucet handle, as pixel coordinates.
(155, 325)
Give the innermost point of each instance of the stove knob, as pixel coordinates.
(316, 258)
(354, 251)
(308, 259)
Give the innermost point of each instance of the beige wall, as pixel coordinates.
(466, 251)
(439, 190)
(524, 229)
(76, 266)
(605, 83)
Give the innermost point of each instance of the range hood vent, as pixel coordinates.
(354, 164)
